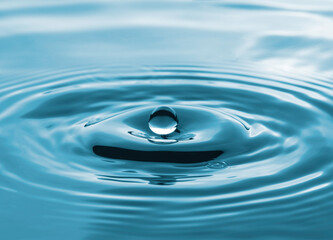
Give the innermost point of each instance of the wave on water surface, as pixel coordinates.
(226, 144)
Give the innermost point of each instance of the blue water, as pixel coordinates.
(166, 120)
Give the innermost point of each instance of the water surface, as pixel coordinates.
(246, 152)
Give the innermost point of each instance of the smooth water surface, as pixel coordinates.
(166, 120)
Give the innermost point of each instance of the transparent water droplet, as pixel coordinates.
(163, 121)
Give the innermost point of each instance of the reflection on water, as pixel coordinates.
(166, 120)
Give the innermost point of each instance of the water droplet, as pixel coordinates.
(163, 121)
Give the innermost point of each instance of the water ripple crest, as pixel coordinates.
(247, 144)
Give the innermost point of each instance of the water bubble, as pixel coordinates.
(163, 121)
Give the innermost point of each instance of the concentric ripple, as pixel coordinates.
(246, 146)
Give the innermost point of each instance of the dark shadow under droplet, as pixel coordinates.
(156, 156)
